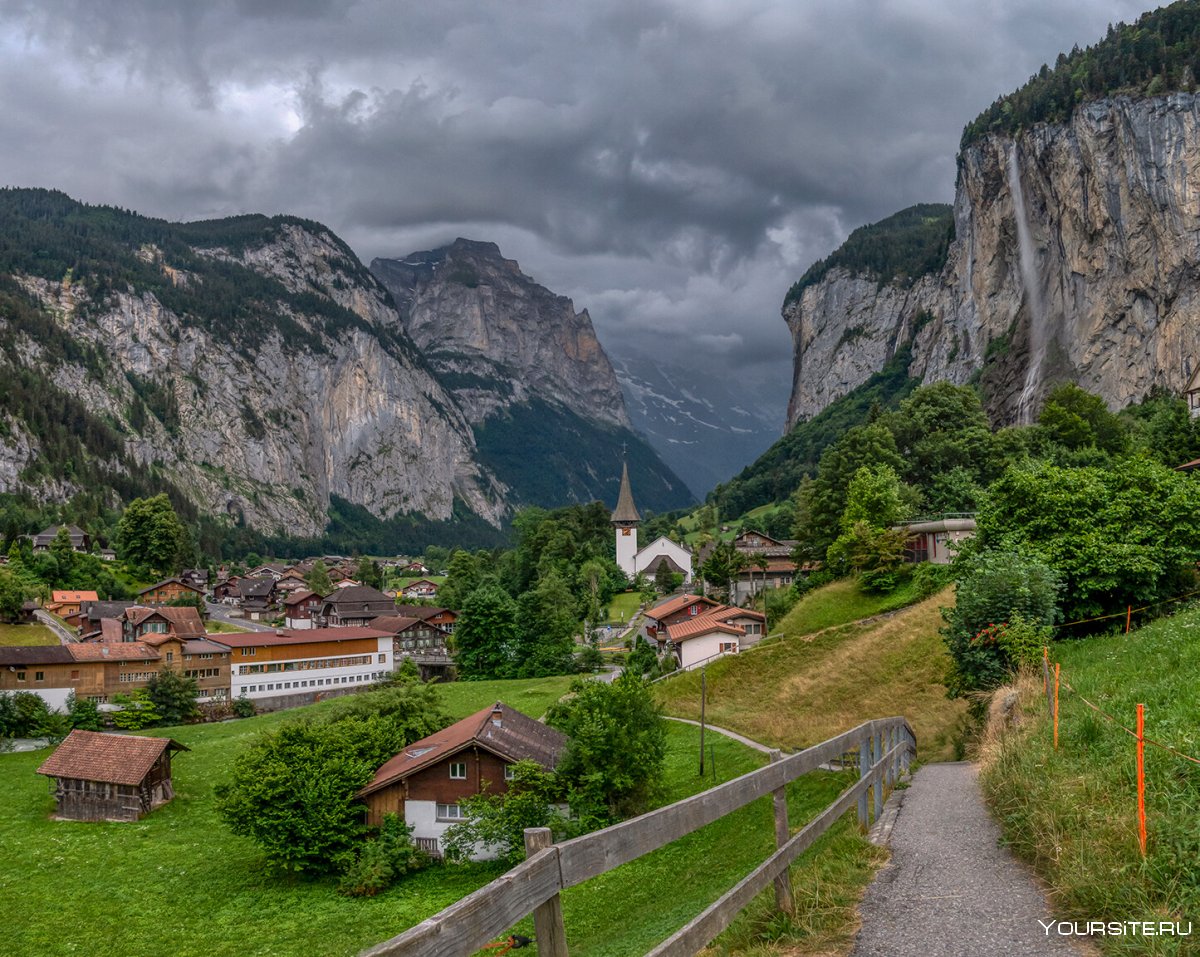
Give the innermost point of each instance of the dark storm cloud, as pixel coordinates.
(671, 165)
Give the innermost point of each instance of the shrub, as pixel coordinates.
(381, 861)
(997, 587)
(498, 821)
(243, 707)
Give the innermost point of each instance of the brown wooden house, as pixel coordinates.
(110, 777)
(425, 782)
(165, 592)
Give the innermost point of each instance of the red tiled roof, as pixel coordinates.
(185, 622)
(702, 625)
(111, 758)
(672, 605)
(295, 636)
(71, 597)
(113, 651)
(725, 612)
(517, 737)
(136, 614)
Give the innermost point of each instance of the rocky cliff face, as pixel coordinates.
(265, 417)
(1076, 256)
(496, 338)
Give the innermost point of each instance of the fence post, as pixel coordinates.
(864, 765)
(1141, 776)
(783, 883)
(548, 918)
(879, 775)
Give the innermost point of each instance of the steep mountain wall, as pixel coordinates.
(496, 337)
(1076, 255)
(289, 384)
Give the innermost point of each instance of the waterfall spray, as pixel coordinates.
(1033, 296)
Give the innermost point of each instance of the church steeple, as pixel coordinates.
(626, 512)
(625, 519)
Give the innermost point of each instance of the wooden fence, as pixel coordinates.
(885, 747)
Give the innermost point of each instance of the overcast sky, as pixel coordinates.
(672, 165)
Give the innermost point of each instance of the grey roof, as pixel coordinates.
(357, 595)
(35, 655)
(625, 511)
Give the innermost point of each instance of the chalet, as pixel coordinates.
(412, 568)
(674, 610)
(227, 590)
(110, 777)
(771, 564)
(425, 782)
(108, 668)
(107, 555)
(444, 618)
(937, 540)
(91, 613)
(81, 541)
(354, 606)
(345, 583)
(208, 663)
(749, 541)
(182, 621)
(196, 577)
(425, 644)
(165, 592)
(290, 583)
(300, 608)
(257, 597)
(422, 588)
(66, 604)
(274, 570)
(309, 662)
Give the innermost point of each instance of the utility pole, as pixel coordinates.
(703, 690)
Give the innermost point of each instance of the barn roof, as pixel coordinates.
(111, 758)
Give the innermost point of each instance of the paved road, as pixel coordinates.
(223, 613)
(62, 634)
(950, 890)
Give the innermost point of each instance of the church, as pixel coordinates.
(646, 561)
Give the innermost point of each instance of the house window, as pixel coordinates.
(74, 674)
(509, 774)
(694, 610)
(20, 675)
(248, 651)
(450, 812)
(382, 659)
(39, 676)
(727, 646)
(458, 770)
(170, 656)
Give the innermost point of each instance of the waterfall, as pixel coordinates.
(1033, 296)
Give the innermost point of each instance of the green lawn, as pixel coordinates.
(214, 627)
(178, 883)
(623, 606)
(1072, 812)
(13, 635)
(839, 603)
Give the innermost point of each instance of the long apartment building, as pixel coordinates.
(266, 664)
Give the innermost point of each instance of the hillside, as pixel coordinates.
(1072, 811)
(801, 688)
(1072, 249)
(529, 374)
(256, 371)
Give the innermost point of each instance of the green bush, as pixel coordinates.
(381, 861)
(996, 588)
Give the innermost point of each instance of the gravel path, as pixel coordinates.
(950, 890)
(725, 731)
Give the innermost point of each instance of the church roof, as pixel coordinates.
(625, 511)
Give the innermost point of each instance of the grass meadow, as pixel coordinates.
(15, 635)
(178, 883)
(800, 688)
(1072, 811)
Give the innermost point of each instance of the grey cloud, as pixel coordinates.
(673, 166)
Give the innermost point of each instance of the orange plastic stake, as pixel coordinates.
(1128, 616)
(1056, 667)
(1141, 776)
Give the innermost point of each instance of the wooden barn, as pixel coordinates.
(110, 777)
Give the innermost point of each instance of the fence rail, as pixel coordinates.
(885, 747)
